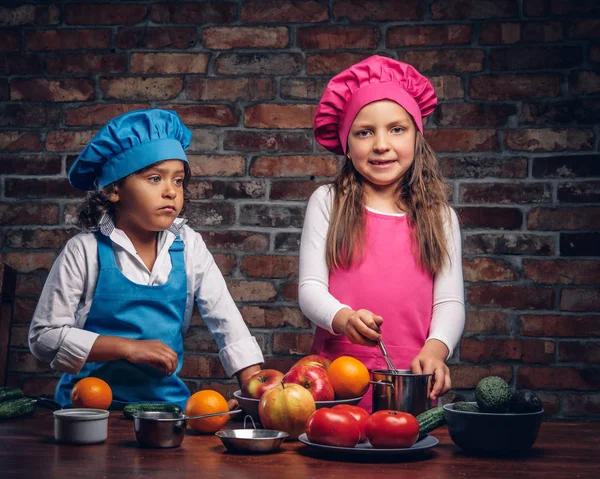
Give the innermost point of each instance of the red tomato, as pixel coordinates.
(333, 428)
(392, 429)
(359, 414)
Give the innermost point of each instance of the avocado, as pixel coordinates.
(525, 401)
(493, 394)
(465, 406)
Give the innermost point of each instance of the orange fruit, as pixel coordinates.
(206, 402)
(91, 393)
(349, 377)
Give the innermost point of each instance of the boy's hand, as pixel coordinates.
(360, 327)
(153, 353)
(431, 360)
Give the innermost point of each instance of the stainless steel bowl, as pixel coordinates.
(159, 429)
(252, 440)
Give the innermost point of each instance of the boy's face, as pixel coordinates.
(381, 143)
(152, 199)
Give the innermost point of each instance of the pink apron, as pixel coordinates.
(388, 282)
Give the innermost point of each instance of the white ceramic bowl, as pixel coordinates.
(81, 426)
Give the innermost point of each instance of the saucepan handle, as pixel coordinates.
(383, 383)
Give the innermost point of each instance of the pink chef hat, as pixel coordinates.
(376, 78)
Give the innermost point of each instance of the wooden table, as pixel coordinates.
(28, 450)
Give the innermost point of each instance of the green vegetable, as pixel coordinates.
(131, 409)
(16, 408)
(430, 420)
(10, 393)
(493, 394)
(465, 406)
(525, 401)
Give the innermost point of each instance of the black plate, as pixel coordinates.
(365, 448)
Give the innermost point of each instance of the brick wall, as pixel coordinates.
(516, 131)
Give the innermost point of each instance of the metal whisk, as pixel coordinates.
(388, 361)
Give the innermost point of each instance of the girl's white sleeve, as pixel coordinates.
(313, 285)
(448, 318)
(238, 349)
(53, 335)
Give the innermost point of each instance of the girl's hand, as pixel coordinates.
(361, 327)
(431, 360)
(153, 353)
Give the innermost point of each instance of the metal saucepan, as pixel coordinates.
(252, 440)
(165, 429)
(401, 390)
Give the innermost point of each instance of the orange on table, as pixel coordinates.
(207, 402)
(92, 393)
(349, 377)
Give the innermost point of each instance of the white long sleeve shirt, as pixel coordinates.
(448, 315)
(57, 333)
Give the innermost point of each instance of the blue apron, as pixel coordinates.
(123, 308)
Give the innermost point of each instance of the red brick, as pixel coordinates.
(584, 83)
(10, 41)
(274, 216)
(488, 270)
(28, 261)
(31, 165)
(535, 140)
(168, 63)
(99, 114)
(289, 291)
(580, 299)
(543, 8)
(30, 15)
(20, 141)
(4, 94)
(560, 325)
(338, 37)
(258, 64)
(201, 189)
(509, 243)
(510, 296)
(226, 38)
(505, 87)
(270, 317)
(86, 63)
(292, 190)
(21, 64)
(38, 238)
(467, 376)
(194, 13)
(25, 362)
(269, 115)
(38, 385)
(202, 115)
(303, 88)
(67, 39)
(286, 242)
(267, 141)
(483, 167)
(566, 166)
(556, 377)
(42, 89)
(428, 35)
(155, 38)
(231, 89)
(226, 263)
(519, 193)
(22, 213)
(535, 58)
(284, 11)
(595, 54)
(104, 14)
(236, 240)
(29, 115)
(293, 166)
(217, 165)
(489, 217)
(141, 89)
(584, 405)
(564, 218)
(28, 285)
(210, 214)
(196, 366)
(579, 192)
(332, 63)
(473, 9)
(23, 312)
(462, 140)
(40, 188)
(447, 87)
(567, 112)
(18, 336)
(444, 60)
(68, 140)
(511, 33)
(377, 10)
(200, 340)
(578, 351)
(528, 351)
(292, 343)
(203, 141)
(562, 271)
(486, 322)
(474, 114)
(252, 290)
(226, 390)
(270, 266)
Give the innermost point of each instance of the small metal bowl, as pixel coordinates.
(251, 440)
(159, 429)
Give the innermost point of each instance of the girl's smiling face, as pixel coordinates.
(381, 143)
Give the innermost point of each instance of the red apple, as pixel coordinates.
(313, 359)
(286, 407)
(260, 382)
(313, 378)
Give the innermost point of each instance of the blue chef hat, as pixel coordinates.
(127, 144)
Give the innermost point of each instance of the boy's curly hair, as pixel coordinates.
(97, 203)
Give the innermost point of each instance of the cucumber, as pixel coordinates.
(10, 393)
(131, 409)
(16, 407)
(430, 420)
